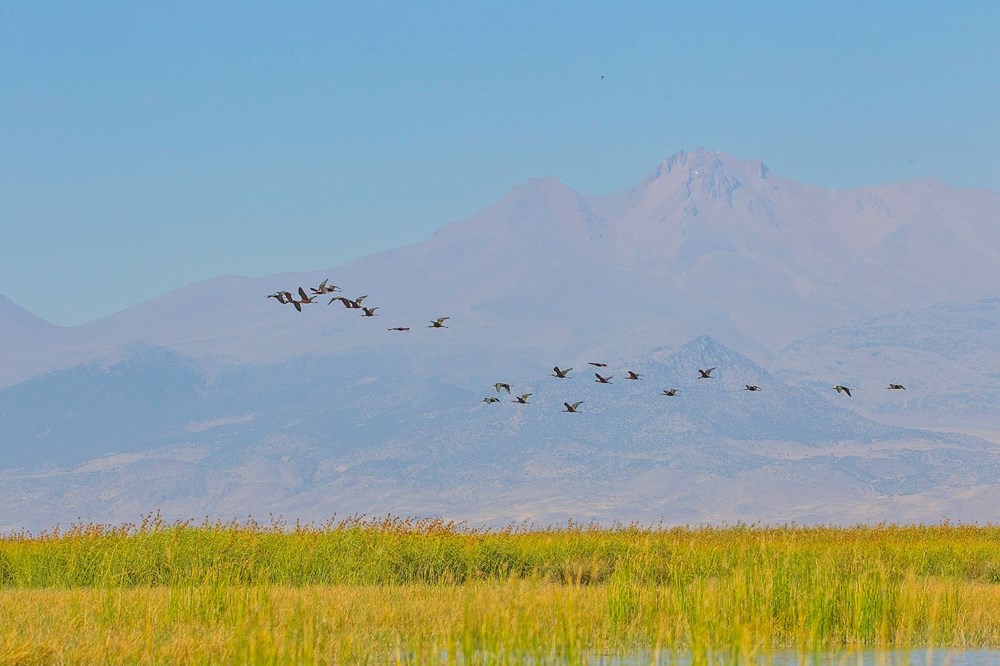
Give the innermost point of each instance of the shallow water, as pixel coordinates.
(911, 657)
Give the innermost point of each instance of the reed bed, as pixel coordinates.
(430, 591)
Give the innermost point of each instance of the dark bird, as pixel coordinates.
(369, 312)
(602, 380)
(896, 387)
(706, 374)
(599, 365)
(632, 375)
(750, 387)
(838, 388)
(305, 298)
(439, 322)
(489, 400)
(398, 328)
(669, 392)
(561, 374)
(501, 386)
(572, 408)
(522, 399)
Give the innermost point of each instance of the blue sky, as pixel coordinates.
(148, 145)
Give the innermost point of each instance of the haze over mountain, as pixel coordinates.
(214, 399)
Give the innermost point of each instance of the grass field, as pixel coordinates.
(428, 591)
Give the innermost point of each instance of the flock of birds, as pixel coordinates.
(573, 408)
(324, 288)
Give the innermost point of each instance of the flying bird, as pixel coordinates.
(522, 399)
(561, 374)
(632, 375)
(602, 380)
(599, 365)
(572, 409)
(369, 312)
(896, 387)
(439, 322)
(706, 374)
(669, 392)
(398, 328)
(501, 386)
(305, 298)
(324, 289)
(838, 388)
(489, 400)
(751, 387)
(348, 303)
(283, 297)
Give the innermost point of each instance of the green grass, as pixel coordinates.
(418, 591)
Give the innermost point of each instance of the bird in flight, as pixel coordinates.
(706, 374)
(369, 312)
(602, 380)
(398, 328)
(489, 400)
(283, 297)
(561, 374)
(324, 289)
(633, 375)
(751, 387)
(439, 322)
(522, 399)
(501, 386)
(599, 365)
(896, 387)
(572, 409)
(669, 392)
(838, 388)
(348, 303)
(305, 298)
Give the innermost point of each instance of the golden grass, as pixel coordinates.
(427, 591)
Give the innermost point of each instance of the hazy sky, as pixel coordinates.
(148, 145)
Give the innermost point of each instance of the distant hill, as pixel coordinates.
(215, 399)
(148, 428)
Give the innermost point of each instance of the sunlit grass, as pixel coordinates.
(430, 591)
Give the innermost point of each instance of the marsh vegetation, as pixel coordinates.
(410, 591)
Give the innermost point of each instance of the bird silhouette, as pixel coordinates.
(633, 375)
(561, 374)
(489, 400)
(838, 388)
(398, 328)
(598, 365)
(499, 386)
(369, 312)
(439, 322)
(706, 374)
(572, 408)
(896, 387)
(669, 392)
(602, 380)
(750, 387)
(522, 399)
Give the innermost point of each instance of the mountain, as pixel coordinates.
(706, 243)
(229, 440)
(215, 399)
